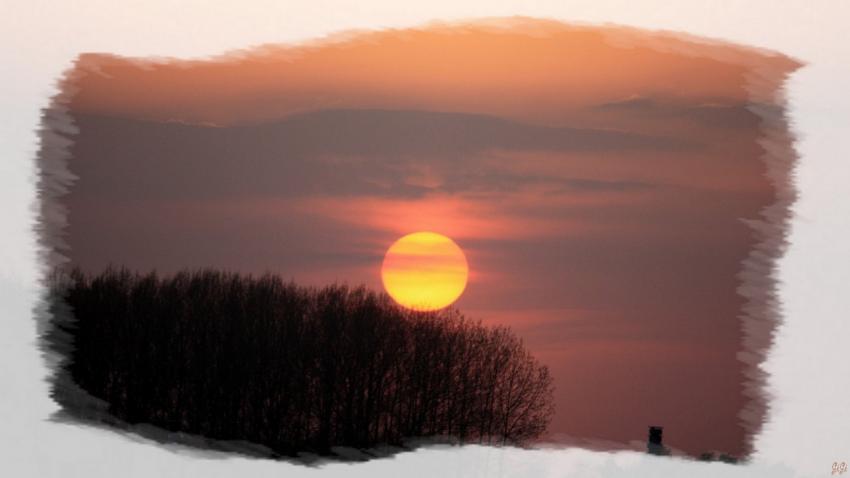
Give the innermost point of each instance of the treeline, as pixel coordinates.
(296, 369)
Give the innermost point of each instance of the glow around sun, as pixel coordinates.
(424, 271)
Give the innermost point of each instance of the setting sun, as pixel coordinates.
(424, 271)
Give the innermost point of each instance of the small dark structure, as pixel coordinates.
(654, 445)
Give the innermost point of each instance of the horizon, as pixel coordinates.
(600, 213)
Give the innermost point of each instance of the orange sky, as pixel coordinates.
(530, 70)
(595, 178)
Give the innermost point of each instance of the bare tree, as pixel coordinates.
(295, 368)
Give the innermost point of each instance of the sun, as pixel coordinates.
(425, 271)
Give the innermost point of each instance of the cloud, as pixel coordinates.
(343, 153)
(721, 113)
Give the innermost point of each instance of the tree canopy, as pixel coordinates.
(236, 357)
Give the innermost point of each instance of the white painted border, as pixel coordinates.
(809, 365)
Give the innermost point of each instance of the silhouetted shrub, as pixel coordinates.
(293, 368)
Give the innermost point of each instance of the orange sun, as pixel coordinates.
(424, 271)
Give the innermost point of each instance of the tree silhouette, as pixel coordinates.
(294, 368)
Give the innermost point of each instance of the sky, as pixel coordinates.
(598, 181)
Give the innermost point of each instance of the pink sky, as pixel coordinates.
(597, 190)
